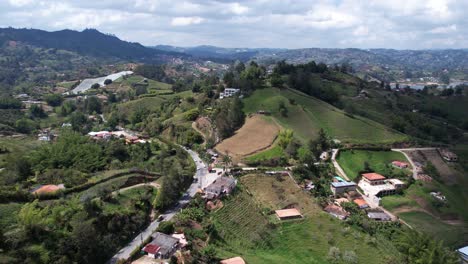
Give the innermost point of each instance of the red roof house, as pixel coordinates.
(400, 164)
(373, 178)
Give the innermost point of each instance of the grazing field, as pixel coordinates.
(148, 103)
(258, 133)
(352, 161)
(452, 235)
(305, 240)
(126, 200)
(274, 152)
(306, 115)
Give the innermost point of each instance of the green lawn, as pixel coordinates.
(306, 115)
(137, 79)
(274, 152)
(451, 235)
(126, 200)
(352, 161)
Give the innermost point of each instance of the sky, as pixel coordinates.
(398, 24)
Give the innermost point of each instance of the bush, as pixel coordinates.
(166, 227)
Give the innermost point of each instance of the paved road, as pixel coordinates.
(200, 174)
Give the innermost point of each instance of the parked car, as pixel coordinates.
(160, 218)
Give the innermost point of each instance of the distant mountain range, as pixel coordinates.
(377, 62)
(89, 42)
(219, 53)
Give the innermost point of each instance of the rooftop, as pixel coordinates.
(222, 182)
(288, 213)
(49, 188)
(343, 184)
(360, 202)
(164, 242)
(373, 176)
(151, 248)
(378, 215)
(235, 260)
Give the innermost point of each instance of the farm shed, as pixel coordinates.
(285, 214)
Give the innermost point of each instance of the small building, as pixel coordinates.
(463, 252)
(221, 186)
(400, 164)
(373, 178)
(398, 184)
(286, 214)
(336, 211)
(438, 196)
(448, 155)
(361, 203)
(228, 92)
(163, 246)
(235, 260)
(379, 216)
(342, 187)
(324, 156)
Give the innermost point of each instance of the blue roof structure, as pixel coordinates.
(463, 252)
(343, 184)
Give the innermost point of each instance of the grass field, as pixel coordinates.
(8, 213)
(125, 200)
(452, 235)
(306, 115)
(258, 133)
(295, 241)
(352, 161)
(137, 79)
(274, 152)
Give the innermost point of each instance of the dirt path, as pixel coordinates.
(152, 184)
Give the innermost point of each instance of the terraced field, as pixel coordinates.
(241, 226)
(306, 115)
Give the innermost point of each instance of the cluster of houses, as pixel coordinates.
(374, 186)
(129, 138)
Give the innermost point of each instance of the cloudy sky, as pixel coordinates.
(400, 24)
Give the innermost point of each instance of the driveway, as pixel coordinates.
(201, 174)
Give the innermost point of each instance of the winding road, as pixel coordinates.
(201, 173)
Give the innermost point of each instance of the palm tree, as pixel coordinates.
(227, 160)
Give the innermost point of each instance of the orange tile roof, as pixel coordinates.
(235, 260)
(288, 213)
(360, 202)
(47, 189)
(373, 176)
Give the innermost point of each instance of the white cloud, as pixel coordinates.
(185, 21)
(255, 23)
(20, 3)
(444, 30)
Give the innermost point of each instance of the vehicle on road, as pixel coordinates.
(160, 218)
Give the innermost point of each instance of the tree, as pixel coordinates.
(282, 109)
(25, 125)
(95, 86)
(107, 81)
(350, 257)
(228, 79)
(276, 80)
(36, 111)
(92, 104)
(53, 99)
(334, 255)
(166, 227)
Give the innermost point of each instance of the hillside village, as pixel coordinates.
(207, 162)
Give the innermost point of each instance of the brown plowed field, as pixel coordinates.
(255, 135)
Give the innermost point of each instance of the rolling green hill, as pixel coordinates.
(307, 115)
